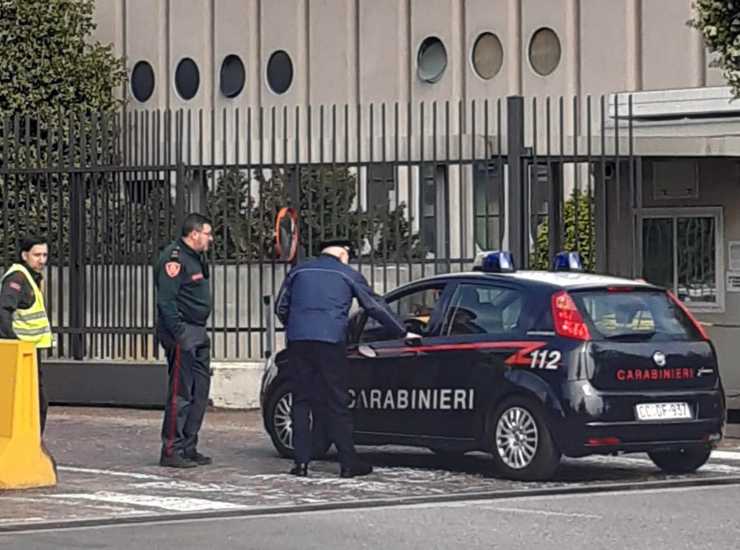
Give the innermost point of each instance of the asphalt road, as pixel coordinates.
(655, 519)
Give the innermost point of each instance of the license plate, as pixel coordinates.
(663, 411)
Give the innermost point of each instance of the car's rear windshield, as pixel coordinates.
(634, 315)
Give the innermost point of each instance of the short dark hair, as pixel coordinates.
(194, 222)
(28, 242)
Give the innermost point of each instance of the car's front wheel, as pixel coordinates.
(681, 461)
(520, 440)
(280, 425)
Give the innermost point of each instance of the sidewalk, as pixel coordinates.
(108, 468)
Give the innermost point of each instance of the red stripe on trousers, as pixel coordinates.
(173, 402)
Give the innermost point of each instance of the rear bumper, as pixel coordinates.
(605, 422)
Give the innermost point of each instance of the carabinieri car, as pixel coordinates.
(528, 366)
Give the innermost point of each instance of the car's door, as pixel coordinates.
(378, 364)
(481, 327)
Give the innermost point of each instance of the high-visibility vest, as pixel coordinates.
(32, 324)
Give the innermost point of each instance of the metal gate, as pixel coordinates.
(421, 188)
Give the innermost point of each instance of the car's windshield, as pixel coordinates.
(634, 315)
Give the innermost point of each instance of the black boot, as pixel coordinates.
(300, 469)
(176, 460)
(199, 459)
(355, 469)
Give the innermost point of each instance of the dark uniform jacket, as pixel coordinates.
(184, 297)
(316, 297)
(16, 293)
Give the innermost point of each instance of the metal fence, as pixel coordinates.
(420, 188)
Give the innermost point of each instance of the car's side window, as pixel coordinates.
(413, 309)
(483, 309)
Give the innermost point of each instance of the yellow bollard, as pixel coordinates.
(24, 462)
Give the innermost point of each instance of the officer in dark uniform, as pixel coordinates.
(183, 307)
(23, 314)
(313, 305)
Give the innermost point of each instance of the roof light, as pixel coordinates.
(498, 261)
(567, 261)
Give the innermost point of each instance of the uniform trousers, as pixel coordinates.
(320, 385)
(187, 393)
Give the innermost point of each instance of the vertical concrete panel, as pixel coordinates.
(482, 16)
(603, 43)
(666, 44)
(145, 41)
(535, 15)
(330, 52)
(380, 47)
(190, 36)
(433, 18)
(280, 24)
(233, 29)
(109, 18)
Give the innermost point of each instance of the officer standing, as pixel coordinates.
(22, 311)
(313, 305)
(183, 307)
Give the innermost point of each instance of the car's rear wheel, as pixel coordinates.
(681, 461)
(280, 425)
(520, 441)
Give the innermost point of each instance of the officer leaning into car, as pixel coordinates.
(183, 307)
(313, 305)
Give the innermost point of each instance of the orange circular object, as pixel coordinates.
(292, 214)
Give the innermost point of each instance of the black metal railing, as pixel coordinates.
(420, 188)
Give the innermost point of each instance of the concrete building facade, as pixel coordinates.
(212, 55)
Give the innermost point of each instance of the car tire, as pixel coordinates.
(520, 441)
(682, 461)
(279, 425)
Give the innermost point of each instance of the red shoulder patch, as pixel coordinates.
(15, 286)
(172, 269)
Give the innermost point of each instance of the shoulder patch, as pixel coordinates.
(172, 269)
(15, 286)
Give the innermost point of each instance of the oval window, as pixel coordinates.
(431, 60)
(142, 81)
(187, 78)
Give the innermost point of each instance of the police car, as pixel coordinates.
(528, 366)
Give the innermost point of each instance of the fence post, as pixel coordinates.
(516, 220)
(77, 275)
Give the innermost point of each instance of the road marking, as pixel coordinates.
(95, 471)
(172, 504)
(726, 455)
(543, 512)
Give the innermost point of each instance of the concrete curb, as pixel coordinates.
(366, 504)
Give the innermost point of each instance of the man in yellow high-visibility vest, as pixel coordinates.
(22, 310)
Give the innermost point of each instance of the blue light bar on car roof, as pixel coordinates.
(498, 261)
(567, 261)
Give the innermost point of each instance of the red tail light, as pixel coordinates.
(602, 441)
(568, 320)
(690, 315)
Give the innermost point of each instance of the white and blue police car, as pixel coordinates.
(528, 366)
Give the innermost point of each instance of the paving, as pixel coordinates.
(108, 472)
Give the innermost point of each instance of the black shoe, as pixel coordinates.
(199, 459)
(176, 460)
(300, 470)
(356, 469)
